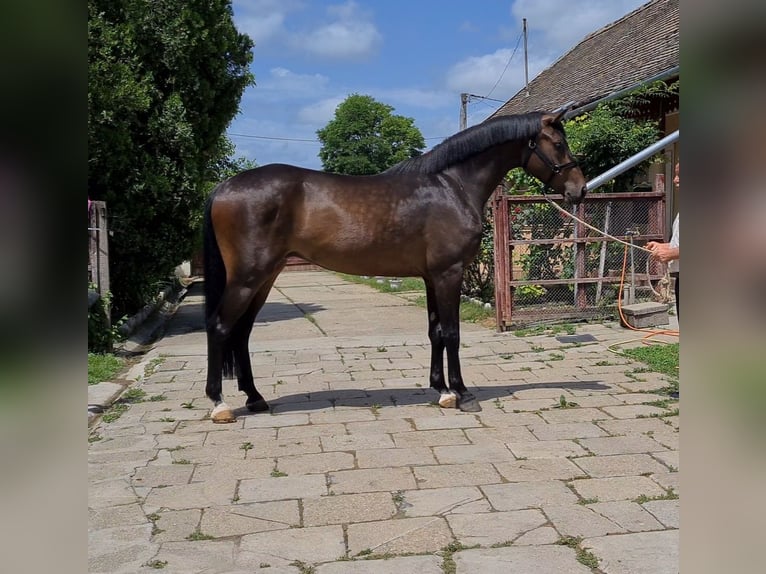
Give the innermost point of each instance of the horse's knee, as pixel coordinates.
(451, 337)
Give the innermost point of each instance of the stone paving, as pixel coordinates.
(356, 470)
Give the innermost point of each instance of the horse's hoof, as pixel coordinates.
(448, 400)
(469, 404)
(222, 414)
(258, 406)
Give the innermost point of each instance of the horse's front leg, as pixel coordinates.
(447, 399)
(447, 290)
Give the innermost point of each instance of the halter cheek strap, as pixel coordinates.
(554, 167)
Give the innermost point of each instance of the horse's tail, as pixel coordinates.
(215, 283)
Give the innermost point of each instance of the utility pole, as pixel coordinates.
(526, 65)
(463, 106)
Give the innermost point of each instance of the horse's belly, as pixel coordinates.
(362, 258)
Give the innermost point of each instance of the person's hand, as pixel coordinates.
(662, 251)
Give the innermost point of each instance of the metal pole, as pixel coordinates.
(618, 94)
(463, 105)
(624, 166)
(632, 274)
(526, 65)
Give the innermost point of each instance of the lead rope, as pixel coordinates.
(665, 282)
(664, 294)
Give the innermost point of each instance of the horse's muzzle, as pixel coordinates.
(575, 197)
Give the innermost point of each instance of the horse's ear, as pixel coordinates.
(557, 116)
(554, 117)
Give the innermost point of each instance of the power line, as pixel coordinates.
(253, 136)
(506, 65)
(272, 138)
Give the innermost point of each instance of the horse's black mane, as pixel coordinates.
(472, 141)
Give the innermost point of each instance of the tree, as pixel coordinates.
(364, 138)
(165, 79)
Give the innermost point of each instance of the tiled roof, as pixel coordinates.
(638, 46)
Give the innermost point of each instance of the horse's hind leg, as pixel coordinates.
(255, 401)
(235, 301)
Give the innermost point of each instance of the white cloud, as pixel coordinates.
(321, 112)
(413, 97)
(554, 26)
(479, 74)
(263, 20)
(350, 35)
(261, 29)
(562, 23)
(281, 85)
(296, 85)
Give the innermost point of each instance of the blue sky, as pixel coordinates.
(417, 56)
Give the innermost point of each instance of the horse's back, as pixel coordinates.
(273, 176)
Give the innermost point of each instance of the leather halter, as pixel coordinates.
(554, 167)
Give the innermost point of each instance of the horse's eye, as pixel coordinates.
(559, 145)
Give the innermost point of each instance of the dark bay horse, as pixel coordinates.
(420, 218)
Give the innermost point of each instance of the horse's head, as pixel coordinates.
(548, 159)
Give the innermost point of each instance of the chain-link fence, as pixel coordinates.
(550, 267)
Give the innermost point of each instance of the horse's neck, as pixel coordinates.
(480, 174)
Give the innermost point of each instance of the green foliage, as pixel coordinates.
(479, 276)
(365, 138)
(606, 136)
(103, 367)
(102, 333)
(164, 81)
(529, 293)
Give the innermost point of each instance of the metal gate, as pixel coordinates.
(548, 267)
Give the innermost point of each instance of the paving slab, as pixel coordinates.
(417, 535)
(551, 559)
(494, 527)
(640, 553)
(516, 496)
(281, 547)
(348, 508)
(399, 565)
(442, 501)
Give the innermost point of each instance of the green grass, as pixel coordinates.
(583, 556)
(469, 312)
(472, 313)
(408, 283)
(197, 535)
(133, 395)
(114, 412)
(103, 367)
(660, 358)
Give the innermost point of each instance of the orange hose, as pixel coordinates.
(650, 332)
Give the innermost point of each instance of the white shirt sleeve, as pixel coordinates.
(675, 239)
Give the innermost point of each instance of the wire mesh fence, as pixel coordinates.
(550, 267)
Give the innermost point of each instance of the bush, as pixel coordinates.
(102, 336)
(479, 276)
